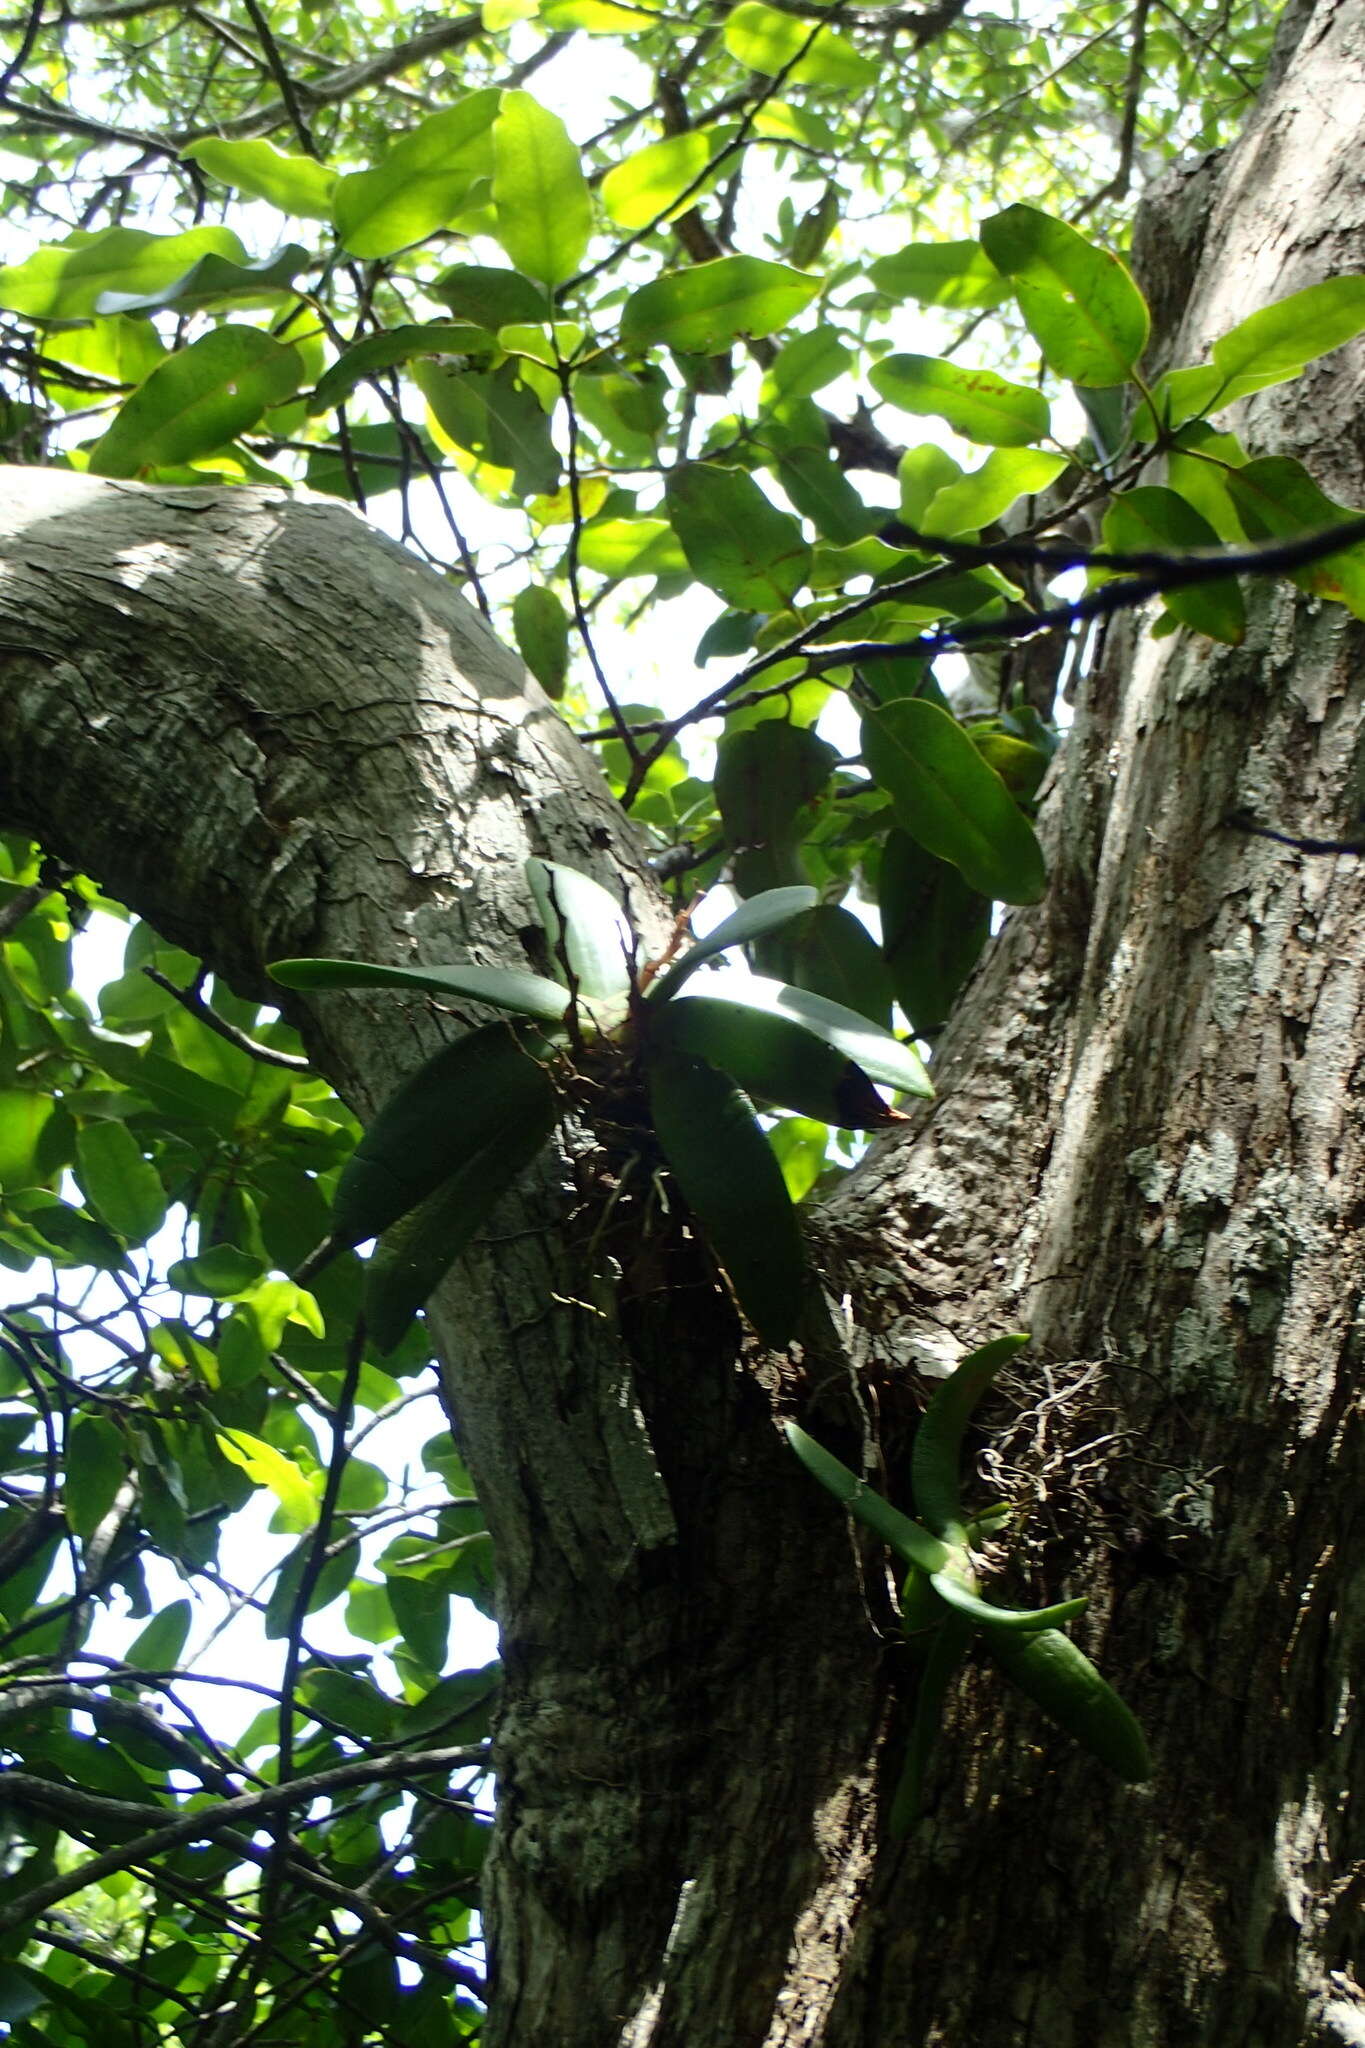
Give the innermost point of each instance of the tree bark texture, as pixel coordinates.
(274, 733)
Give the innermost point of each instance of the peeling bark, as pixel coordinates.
(275, 733)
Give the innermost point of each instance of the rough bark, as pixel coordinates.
(274, 733)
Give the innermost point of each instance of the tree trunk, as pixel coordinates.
(274, 733)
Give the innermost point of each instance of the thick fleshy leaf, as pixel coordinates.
(954, 274)
(934, 925)
(67, 280)
(1276, 497)
(1047, 1666)
(414, 1255)
(296, 184)
(911, 1543)
(703, 309)
(541, 626)
(198, 400)
(736, 540)
(973, 501)
(936, 1457)
(1007, 1620)
(831, 953)
(1151, 516)
(420, 184)
(1080, 301)
(504, 988)
(589, 934)
(402, 344)
(644, 186)
(769, 41)
(474, 1093)
(947, 1648)
(883, 1058)
(773, 1058)
(725, 1167)
(541, 198)
(949, 799)
(759, 915)
(979, 404)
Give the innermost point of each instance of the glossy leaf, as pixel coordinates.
(979, 404)
(541, 198)
(1270, 347)
(215, 281)
(1005, 1620)
(913, 1544)
(419, 184)
(765, 913)
(768, 41)
(937, 1452)
(589, 934)
(1065, 1684)
(973, 501)
(705, 308)
(884, 1059)
(541, 626)
(644, 186)
(955, 274)
(1151, 516)
(735, 539)
(831, 953)
(479, 1090)
(725, 1167)
(416, 1253)
(67, 280)
(773, 1058)
(296, 184)
(198, 400)
(505, 988)
(948, 798)
(947, 1648)
(1079, 300)
(934, 925)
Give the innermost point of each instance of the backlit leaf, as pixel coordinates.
(542, 202)
(702, 309)
(767, 40)
(422, 182)
(296, 184)
(980, 404)
(67, 280)
(1080, 301)
(735, 539)
(198, 400)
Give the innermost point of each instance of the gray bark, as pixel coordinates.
(274, 733)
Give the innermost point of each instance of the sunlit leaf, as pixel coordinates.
(296, 184)
(767, 40)
(421, 182)
(1079, 300)
(67, 280)
(197, 400)
(644, 186)
(980, 404)
(543, 206)
(704, 308)
(956, 274)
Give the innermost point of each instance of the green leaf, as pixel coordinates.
(973, 501)
(766, 774)
(265, 1466)
(122, 1187)
(760, 914)
(910, 1542)
(490, 298)
(632, 547)
(159, 1645)
(483, 1087)
(833, 954)
(937, 1452)
(1270, 347)
(979, 404)
(703, 309)
(95, 1470)
(394, 345)
(1150, 516)
(497, 417)
(725, 1167)
(504, 988)
(331, 1583)
(296, 184)
(767, 40)
(955, 274)
(1276, 497)
(1004, 1620)
(590, 937)
(934, 925)
(949, 799)
(24, 1114)
(198, 401)
(735, 539)
(883, 1058)
(220, 1271)
(423, 182)
(808, 362)
(1080, 302)
(541, 626)
(542, 201)
(215, 281)
(1048, 1667)
(67, 280)
(644, 186)
(773, 1058)
(352, 1702)
(947, 1649)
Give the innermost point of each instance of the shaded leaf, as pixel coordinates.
(735, 539)
(948, 798)
(198, 400)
